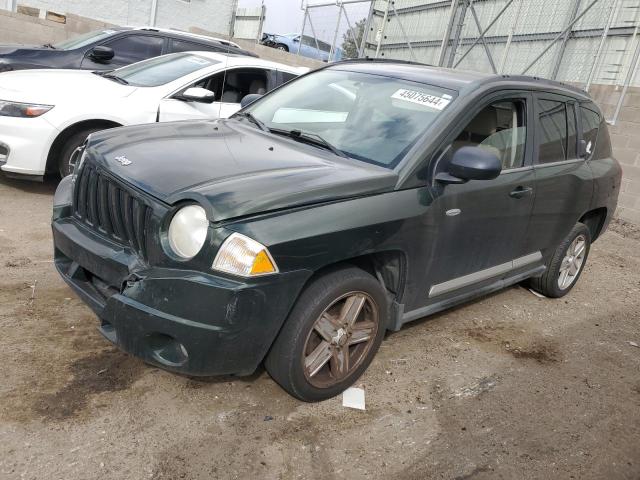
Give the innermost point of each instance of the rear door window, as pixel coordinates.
(186, 46)
(552, 126)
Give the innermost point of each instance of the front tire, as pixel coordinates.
(70, 145)
(331, 335)
(282, 47)
(566, 265)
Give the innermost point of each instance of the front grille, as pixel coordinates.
(110, 209)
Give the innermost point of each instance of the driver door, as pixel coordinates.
(479, 227)
(229, 88)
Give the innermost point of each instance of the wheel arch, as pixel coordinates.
(389, 267)
(67, 132)
(594, 220)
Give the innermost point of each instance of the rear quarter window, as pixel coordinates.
(590, 127)
(187, 46)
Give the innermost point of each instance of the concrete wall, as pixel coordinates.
(19, 28)
(216, 15)
(625, 137)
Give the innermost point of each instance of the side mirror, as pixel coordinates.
(249, 99)
(296, 39)
(102, 53)
(198, 94)
(471, 163)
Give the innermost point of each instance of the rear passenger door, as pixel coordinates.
(564, 184)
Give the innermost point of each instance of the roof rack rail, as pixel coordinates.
(381, 60)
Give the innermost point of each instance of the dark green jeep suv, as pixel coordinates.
(344, 204)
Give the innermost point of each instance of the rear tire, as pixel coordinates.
(331, 335)
(566, 265)
(70, 145)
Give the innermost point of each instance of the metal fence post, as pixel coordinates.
(335, 35)
(447, 32)
(365, 33)
(563, 45)
(456, 36)
(304, 24)
(631, 73)
(404, 33)
(507, 45)
(603, 39)
(383, 28)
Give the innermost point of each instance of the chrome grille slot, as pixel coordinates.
(110, 209)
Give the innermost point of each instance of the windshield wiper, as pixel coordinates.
(111, 76)
(48, 45)
(249, 116)
(310, 138)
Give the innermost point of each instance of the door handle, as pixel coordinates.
(521, 192)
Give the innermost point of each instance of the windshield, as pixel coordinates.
(368, 117)
(162, 70)
(82, 40)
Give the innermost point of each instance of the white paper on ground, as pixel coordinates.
(353, 398)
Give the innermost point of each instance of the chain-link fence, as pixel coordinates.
(583, 42)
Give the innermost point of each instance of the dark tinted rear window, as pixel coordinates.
(186, 46)
(590, 125)
(553, 131)
(287, 77)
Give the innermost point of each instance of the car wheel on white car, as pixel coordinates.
(70, 146)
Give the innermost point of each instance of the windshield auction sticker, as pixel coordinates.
(419, 98)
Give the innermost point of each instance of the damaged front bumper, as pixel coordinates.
(186, 321)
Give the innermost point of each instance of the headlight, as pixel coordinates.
(240, 255)
(188, 231)
(26, 110)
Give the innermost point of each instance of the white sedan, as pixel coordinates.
(46, 114)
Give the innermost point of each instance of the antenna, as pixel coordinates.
(226, 66)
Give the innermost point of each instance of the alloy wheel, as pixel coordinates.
(340, 339)
(572, 262)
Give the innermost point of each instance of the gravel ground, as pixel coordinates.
(510, 386)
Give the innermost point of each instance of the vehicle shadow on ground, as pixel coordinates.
(198, 382)
(46, 187)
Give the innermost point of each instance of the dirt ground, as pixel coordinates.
(512, 386)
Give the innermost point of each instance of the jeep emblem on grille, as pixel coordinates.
(122, 160)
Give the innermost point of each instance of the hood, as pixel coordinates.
(51, 86)
(31, 56)
(22, 49)
(231, 168)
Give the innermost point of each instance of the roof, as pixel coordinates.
(450, 78)
(180, 33)
(233, 60)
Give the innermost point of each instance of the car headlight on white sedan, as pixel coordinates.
(188, 231)
(23, 110)
(243, 256)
